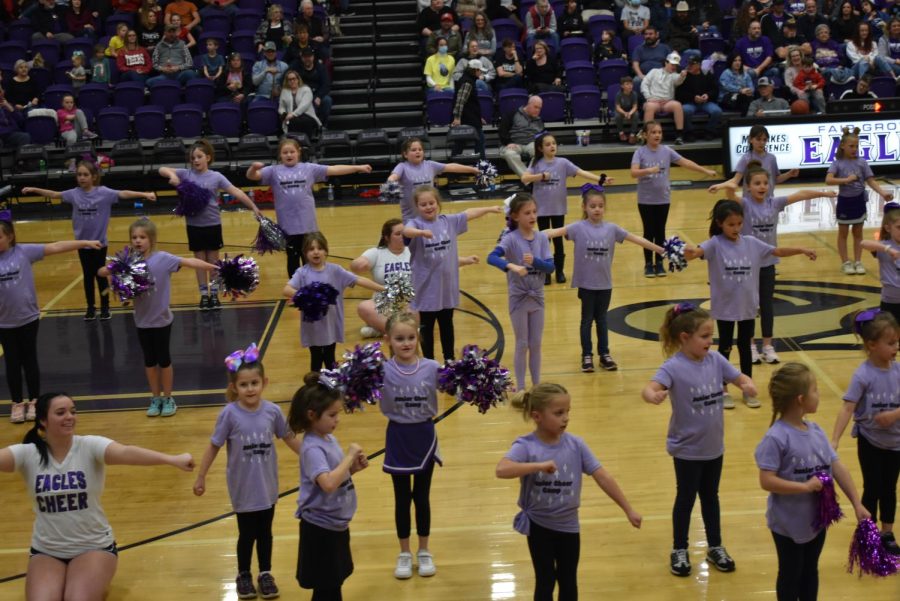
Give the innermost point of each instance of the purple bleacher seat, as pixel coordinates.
(247, 20)
(113, 21)
(20, 31)
(510, 99)
(43, 129)
(200, 91)
(129, 95)
(726, 27)
(710, 45)
(727, 6)
(225, 119)
(574, 49)
(165, 93)
(611, 71)
(10, 52)
(884, 86)
(585, 102)
(187, 120)
(42, 78)
(465, 24)
(112, 123)
(53, 95)
(598, 23)
(611, 92)
(243, 42)
(50, 50)
(633, 42)
(505, 29)
(439, 108)
(580, 73)
(217, 21)
(558, 7)
(524, 6)
(60, 72)
(263, 119)
(82, 44)
(256, 5)
(288, 9)
(554, 108)
(150, 122)
(94, 97)
(718, 68)
(834, 90)
(486, 101)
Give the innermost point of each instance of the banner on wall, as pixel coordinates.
(805, 143)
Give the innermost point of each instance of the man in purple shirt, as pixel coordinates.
(756, 51)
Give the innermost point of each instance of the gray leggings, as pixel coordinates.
(528, 325)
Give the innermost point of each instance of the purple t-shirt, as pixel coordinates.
(697, 426)
(875, 390)
(654, 189)
(333, 511)
(252, 471)
(90, 211)
(595, 245)
(212, 181)
(847, 167)
(761, 221)
(550, 195)
(435, 262)
(794, 455)
(734, 275)
(411, 177)
(18, 300)
(551, 500)
(329, 329)
(409, 395)
(515, 246)
(292, 189)
(151, 309)
(753, 52)
(767, 161)
(826, 55)
(889, 271)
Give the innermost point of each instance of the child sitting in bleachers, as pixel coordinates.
(100, 65)
(72, 122)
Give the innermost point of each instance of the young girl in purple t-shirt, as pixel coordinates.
(434, 262)
(152, 315)
(524, 254)
(327, 499)
(549, 463)
(548, 174)
(887, 250)
(788, 457)
(204, 230)
(873, 400)
(91, 207)
(733, 261)
(322, 336)
(693, 378)
(759, 139)
(651, 166)
(850, 173)
(247, 425)
(292, 184)
(20, 315)
(595, 244)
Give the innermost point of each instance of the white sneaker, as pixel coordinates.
(769, 355)
(404, 566)
(30, 410)
(754, 354)
(727, 401)
(426, 564)
(369, 332)
(752, 402)
(858, 268)
(847, 268)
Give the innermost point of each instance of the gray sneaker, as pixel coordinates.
(245, 588)
(168, 407)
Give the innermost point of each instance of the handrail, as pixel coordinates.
(373, 69)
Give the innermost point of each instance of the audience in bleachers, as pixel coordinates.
(268, 73)
(47, 23)
(20, 90)
(186, 11)
(467, 108)
(809, 85)
(651, 54)
(767, 104)
(275, 29)
(658, 90)
(72, 123)
(134, 62)
(736, 87)
(543, 72)
(508, 64)
(889, 46)
(489, 73)
(439, 69)
(810, 20)
(429, 19)
(570, 23)
(150, 29)
(447, 32)
(295, 105)
(314, 74)
(626, 110)
(698, 94)
(100, 65)
(862, 52)
(483, 33)
(861, 91)
(80, 21)
(211, 7)
(234, 84)
(540, 24)
(635, 18)
(523, 126)
(844, 25)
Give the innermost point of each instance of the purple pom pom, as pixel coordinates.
(360, 376)
(828, 511)
(475, 379)
(674, 252)
(868, 553)
(487, 175)
(313, 300)
(237, 277)
(192, 199)
(270, 238)
(390, 191)
(130, 274)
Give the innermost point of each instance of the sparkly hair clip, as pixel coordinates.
(234, 361)
(508, 201)
(862, 318)
(891, 206)
(682, 308)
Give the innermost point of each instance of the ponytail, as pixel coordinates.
(34, 435)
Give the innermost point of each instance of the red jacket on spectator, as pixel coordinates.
(807, 76)
(134, 60)
(126, 6)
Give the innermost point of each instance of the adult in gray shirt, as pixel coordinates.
(767, 101)
(526, 124)
(172, 59)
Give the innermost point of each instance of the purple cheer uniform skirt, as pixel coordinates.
(410, 448)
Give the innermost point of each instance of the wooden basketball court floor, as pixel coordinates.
(176, 545)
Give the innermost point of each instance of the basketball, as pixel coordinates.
(800, 107)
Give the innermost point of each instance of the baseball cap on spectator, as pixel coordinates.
(170, 28)
(674, 58)
(695, 58)
(446, 17)
(682, 7)
(763, 81)
(790, 22)
(476, 64)
(270, 45)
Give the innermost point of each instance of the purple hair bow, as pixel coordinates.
(234, 361)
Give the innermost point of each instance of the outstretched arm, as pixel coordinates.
(254, 171)
(609, 485)
(689, 164)
(481, 212)
(507, 468)
(887, 196)
(360, 265)
(809, 195)
(369, 284)
(347, 169)
(555, 232)
(120, 454)
(459, 168)
(245, 200)
(169, 174)
(644, 243)
(729, 187)
(55, 248)
(593, 176)
(784, 251)
(414, 232)
(42, 192)
(783, 177)
(196, 264)
(692, 252)
(130, 194)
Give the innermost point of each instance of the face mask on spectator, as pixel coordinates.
(442, 50)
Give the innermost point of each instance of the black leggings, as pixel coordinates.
(654, 218)
(880, 469)
(20, 354)
(745, 330)
(766, 300)
(444, 319)
(294, 253)
(554, 556)
(255, 527)
(693, 478)
(546, 222)
(91, 261)
(798, 568)
(417, 491)
(321, 356)
(326, 594)
(155, 344)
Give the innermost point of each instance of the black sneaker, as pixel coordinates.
(90, 314)
(587, 364)
(204, 306)
(214, 303)
(245, 588)
(267, 587)
(649, 271)
(890, 543)
(607, 363)
(679, 564)
(560, 277)
(720, 558)
(104, 313)
(547, 280)
(660, 270)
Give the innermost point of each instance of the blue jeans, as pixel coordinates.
(881, 66)
(710, 108)
(594, 305)
(771, 73)
(323, 111)
(516, 81)
(837, 74)
(181, 77)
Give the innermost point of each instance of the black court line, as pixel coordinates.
(499, 346)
